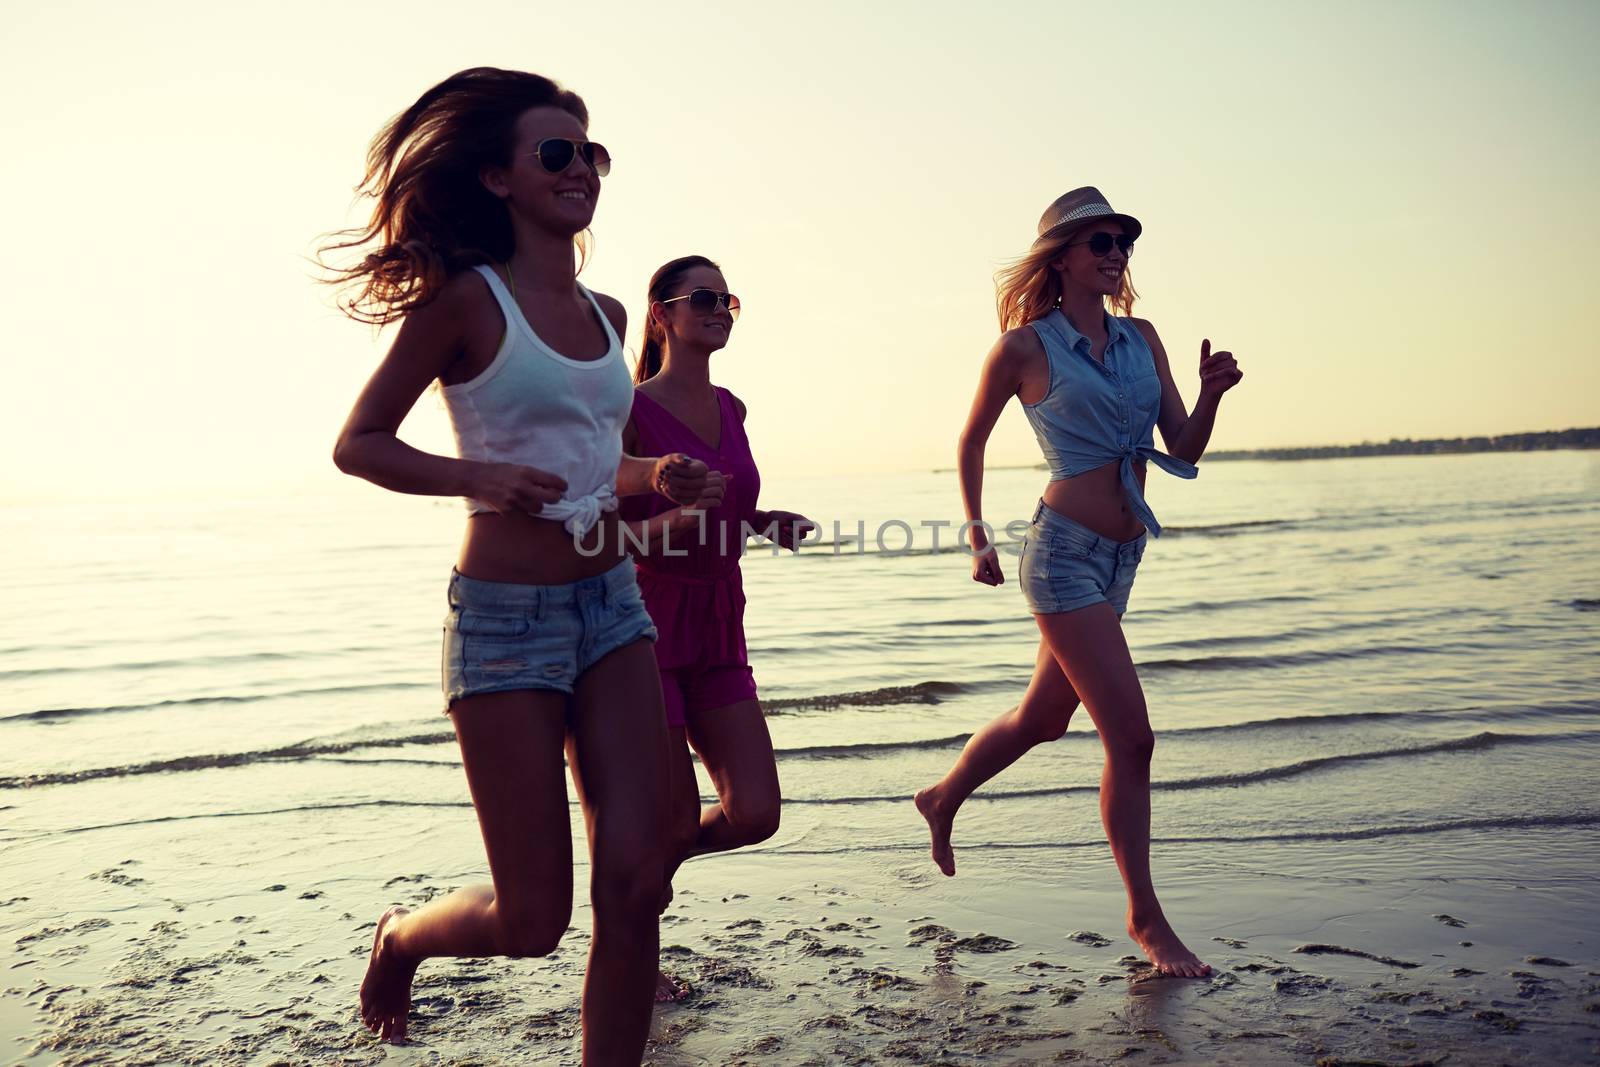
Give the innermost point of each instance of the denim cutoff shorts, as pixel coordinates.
(501, 636)
(1067, 566)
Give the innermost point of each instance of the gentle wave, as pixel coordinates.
(929, 692)
(921, 693)
(1227, 529)
(1252, 602)
(1475, 743)
(1269, 661)
(297, 810)
(313, 749)
(160, 664)
(1321, 632)
(287, 753)
(1514, 822)
(247, 698)
(870, 748)
(1513, 712)
(1588, 818)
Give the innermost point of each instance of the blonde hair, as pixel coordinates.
(1028, 288)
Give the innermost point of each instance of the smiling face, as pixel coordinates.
(1082, 269)
(708, 331)
(562, 202)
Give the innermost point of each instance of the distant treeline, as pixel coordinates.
(1399, 446)
(1405, 446)
(1431, 447)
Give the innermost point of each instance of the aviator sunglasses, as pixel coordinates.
(1100, 244)
(557, 153)
(705, 301)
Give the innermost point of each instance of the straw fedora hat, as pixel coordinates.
(1071, 210)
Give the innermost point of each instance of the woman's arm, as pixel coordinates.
(1001, 378)
(429, 341)
(675, 476)
(1186, 433)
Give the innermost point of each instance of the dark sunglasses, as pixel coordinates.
(705, 301)
(557, 154)
(1100, 244)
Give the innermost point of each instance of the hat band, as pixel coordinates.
(1084, 212)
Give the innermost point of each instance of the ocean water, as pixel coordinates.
(205, 699)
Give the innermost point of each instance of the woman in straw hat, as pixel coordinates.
(1094, 383)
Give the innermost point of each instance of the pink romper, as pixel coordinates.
(696, 599)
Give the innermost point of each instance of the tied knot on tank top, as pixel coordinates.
(580, 514)
(1099, 411)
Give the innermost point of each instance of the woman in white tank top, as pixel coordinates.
(484, 189)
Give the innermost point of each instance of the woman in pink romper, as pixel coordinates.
(689, 573)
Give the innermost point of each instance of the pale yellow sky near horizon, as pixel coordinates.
(1386, 210)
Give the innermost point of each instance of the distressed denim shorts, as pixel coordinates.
(1067, 566)
(502, 636)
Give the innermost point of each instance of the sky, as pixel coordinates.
(1387, 211)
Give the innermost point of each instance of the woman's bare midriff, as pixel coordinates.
(1096, 499)
(531, 551)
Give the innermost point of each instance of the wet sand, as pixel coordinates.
(1409, 951)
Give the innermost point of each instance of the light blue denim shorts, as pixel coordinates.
(501, 636)
(1067, 566)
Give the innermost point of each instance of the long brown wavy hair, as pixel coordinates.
(662, 282)
(1028, 288)
(432, 216)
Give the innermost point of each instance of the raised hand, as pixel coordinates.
(792, 528)
(512, 489)
(712, 493)
(1219, 371)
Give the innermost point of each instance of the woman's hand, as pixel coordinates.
(687, 481)
(512, 489)
(792, 527)
(986, 567)
(1219, 372)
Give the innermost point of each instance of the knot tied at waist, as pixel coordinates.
(580, 514)
(1130, 481)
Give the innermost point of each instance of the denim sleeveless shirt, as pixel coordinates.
(1097, 413)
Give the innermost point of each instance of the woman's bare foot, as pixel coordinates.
(939, 825)
(386, 990)
(1164, 950)
(670, 990)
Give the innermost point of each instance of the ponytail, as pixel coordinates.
(650, 349)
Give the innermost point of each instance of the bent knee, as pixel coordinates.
(756, 823)
(530, 935)
(633, 890)
(1049, 728)
(1136, 747)
(685, 832)
(1045, 724)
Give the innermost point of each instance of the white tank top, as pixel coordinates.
(535, 407)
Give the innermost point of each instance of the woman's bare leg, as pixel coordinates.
(1043, 715)
(618, 750)
(511, 749)
(1093, 653)
(683, 826)
(736, 749)
(683, 817)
